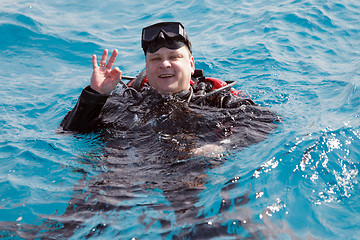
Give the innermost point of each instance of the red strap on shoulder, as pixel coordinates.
(217, 83)
(145, 81)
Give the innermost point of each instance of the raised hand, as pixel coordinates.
(104, 79)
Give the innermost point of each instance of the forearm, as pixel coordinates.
(86, 111)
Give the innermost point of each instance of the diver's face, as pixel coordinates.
(169, 70)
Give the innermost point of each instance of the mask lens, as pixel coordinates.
(167, 34)
(151, 32)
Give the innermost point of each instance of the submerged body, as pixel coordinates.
(149, 144)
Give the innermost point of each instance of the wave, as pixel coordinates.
(22, 37)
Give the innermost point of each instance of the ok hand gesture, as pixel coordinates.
(104, 79)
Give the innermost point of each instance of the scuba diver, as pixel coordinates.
(152, 130)
(170, 70)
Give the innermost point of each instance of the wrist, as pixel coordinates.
(97, 90)
(92, 90)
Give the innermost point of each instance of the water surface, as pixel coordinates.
(298, 58)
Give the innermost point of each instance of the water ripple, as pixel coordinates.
(298, 57)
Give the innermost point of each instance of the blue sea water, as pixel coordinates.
(301, 58)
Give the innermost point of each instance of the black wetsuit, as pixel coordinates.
(90, 103)
(149, 143)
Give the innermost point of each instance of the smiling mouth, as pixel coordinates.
(166, 75)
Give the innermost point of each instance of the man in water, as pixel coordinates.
(170, 70)
(151, 137)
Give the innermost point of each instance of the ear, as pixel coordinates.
(192, 64)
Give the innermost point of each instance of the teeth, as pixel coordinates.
(166, 75)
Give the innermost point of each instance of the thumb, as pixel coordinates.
(114, 72)
(118, 76)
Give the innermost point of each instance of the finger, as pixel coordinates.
(94, 63)
(118, 77)
(103, 58)
(114, 72)
(112, 59)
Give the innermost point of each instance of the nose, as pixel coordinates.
(165, 63)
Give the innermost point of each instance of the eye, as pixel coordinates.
(176, 56)
(155, 59)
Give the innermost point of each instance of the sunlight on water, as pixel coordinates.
(332, 180)
(298, 58)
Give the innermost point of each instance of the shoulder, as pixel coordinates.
(217, 93)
